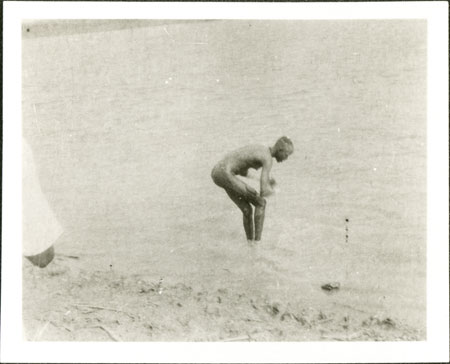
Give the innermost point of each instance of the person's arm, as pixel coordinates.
(266, 189)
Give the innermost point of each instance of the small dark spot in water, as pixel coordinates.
(179, 304)
(346, 229)
(28, 29)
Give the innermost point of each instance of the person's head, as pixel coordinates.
(282, 149)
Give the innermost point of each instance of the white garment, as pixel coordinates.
(39, 226)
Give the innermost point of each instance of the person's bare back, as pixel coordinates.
(244, 196)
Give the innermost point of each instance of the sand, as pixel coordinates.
(72, 301)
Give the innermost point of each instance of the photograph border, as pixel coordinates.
(436, 348)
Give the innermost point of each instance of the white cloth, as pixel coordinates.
(39, 226)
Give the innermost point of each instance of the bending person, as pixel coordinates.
(244, 196)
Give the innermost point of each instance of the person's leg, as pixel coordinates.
(247, 213)
(240, 193)
(260, 208)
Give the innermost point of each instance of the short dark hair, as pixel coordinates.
(284, 143)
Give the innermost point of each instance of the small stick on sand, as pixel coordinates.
(104, 329)
(104, 308)
(68, 256)
(342, 338)
(60, 327)
(238, 338)
(108, 332)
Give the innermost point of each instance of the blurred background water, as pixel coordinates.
(127, 118)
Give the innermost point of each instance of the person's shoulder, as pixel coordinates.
(263, 153)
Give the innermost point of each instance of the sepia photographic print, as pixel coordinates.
(224, 180)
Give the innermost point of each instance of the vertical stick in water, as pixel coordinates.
(346, 230)
(346, 241)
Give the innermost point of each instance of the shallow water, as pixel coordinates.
(127, 124)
